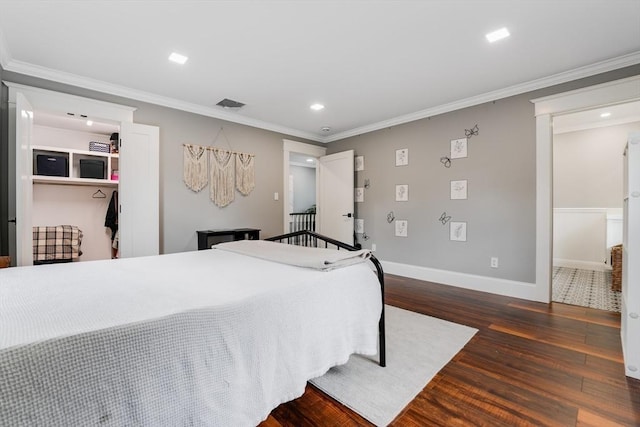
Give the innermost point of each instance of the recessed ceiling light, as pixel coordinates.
(497, 35)
(325, 129)
(310, 160)
(317, 107)
(605, 115)
(177, 58)
(89, 122)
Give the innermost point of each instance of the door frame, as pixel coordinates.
(615, 92)
(288, 147)
(50, 101)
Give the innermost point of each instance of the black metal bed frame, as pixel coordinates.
(313, 239)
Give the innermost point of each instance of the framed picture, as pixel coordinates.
(458, 148)
(401, 227)
(458, 231)
(359, 163)
(359, 194)
(402, 193)
(459, 190)
(402, 157)
(359, 226)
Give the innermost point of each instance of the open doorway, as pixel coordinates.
(297, 181)
(302, 192)
(588, 151)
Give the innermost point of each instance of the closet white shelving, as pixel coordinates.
(73, 157)
(41, 200)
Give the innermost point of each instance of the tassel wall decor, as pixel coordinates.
(195, 167)
(245, 175)
(222, 188)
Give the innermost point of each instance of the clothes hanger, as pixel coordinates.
(99, 195)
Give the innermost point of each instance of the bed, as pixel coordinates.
(214, 337)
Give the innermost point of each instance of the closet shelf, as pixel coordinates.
(43, 179)
(73, 151)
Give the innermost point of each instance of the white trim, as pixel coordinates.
(615, 92)
(474, 282)
(92, 84)
(595, 125)
(581, 210)
(302, 148)
(582, 265)
(544, 205)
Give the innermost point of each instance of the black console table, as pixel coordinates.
(206, 238)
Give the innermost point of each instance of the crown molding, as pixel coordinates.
(564, 77)
(125, 92)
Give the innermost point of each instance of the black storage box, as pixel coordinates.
(90, 168)
(51, 165)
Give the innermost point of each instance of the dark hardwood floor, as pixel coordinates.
(530, 364)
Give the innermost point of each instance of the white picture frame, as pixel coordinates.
(358, 195)
(459, 189)
(358, 225)
(402, 193)
(458, 148)
(358, 163)
(458, 231)
(402, 157)
(401, 227)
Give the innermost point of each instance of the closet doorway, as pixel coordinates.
(32, 140)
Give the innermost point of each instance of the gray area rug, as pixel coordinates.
(418, 346)
(586, 288)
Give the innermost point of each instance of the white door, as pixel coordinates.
(139, 191)
(21, 237)
(335, 196)
(629, 319)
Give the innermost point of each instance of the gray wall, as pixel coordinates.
(182, 212)
(500, 169)
(501, 181)
(304, 187)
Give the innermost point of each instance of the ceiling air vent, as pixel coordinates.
(230, 103)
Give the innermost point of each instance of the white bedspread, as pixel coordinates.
(199, 338)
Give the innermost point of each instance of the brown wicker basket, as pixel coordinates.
(616, 265)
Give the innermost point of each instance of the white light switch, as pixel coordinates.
(276, 196)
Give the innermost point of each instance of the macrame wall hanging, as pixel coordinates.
(221, 190)
(195, 167)
(245, 176)
(224, 170)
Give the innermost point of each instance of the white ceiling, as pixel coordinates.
(373, 64)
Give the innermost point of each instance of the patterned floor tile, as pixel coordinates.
(586, 288)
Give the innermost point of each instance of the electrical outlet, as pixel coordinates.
(494, 262)
(373, 247)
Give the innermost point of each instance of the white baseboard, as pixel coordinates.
(583, 265)
(492, 285)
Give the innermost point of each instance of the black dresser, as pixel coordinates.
(206, 238)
